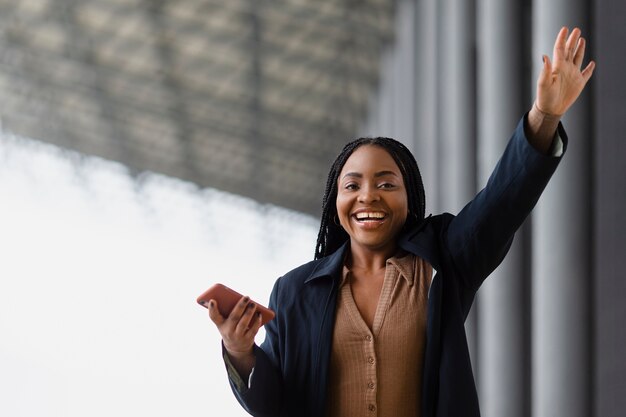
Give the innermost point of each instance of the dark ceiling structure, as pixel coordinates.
(254, 97)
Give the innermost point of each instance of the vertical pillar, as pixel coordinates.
(456, 109)
(561, 369)
(456, 116)
(392, 108)
(609, 207)
(426, 100)
(502, 340)
(404, 73)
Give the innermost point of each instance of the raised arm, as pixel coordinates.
(480, 235)
(559, 84)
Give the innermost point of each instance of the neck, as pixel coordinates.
(369, 259)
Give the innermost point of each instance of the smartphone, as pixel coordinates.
(227, 299)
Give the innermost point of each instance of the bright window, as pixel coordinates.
(99, 273)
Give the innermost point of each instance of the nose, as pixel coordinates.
(368, 194)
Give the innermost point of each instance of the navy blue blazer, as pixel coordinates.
(291, 371)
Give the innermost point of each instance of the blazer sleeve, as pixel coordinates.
(481, 234)
(262, 397)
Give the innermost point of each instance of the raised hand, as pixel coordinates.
(561, 80)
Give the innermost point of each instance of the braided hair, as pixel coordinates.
(331, 235)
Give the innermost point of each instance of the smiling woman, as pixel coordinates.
(374, 325)
(395, 164)
(372, 203)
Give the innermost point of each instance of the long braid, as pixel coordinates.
(331, 236)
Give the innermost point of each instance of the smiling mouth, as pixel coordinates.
(369, 217)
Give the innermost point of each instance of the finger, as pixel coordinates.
(572, 42)
(580, 52)
(545, 76)
(214, 313)
(239, 309)
(588, 71)
(244, 323)
(257, 323)
(559, 44)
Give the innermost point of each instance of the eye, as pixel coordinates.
(386, 185)
(351, 186)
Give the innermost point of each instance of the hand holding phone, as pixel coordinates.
(238, 332)
(227, 299)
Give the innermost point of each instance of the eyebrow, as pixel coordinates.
(376, 175)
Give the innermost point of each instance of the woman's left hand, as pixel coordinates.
(561, 81)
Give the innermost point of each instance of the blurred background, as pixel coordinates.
(151, 148)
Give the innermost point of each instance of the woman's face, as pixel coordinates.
(372, 203)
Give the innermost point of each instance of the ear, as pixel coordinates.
(336, 221)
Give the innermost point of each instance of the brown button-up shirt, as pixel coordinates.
(378, 372)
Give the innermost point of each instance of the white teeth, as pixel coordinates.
(369, 215)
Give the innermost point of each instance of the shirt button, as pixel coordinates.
(368, 338)
(370, 360)
(371, 407)
(370, 385)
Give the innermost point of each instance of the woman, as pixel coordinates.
(374, 325)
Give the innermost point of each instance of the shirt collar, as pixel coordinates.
(403, 262)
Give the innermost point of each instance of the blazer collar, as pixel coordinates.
(422, 241)
(331, 265)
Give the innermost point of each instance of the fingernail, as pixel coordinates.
(211, 304)
(543, 58)
(251, 306)
(246, 299)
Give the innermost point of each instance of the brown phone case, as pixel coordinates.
(227, 299)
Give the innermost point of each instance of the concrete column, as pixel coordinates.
(456, 117)
(404, 73)
(609, 207)
(561, 369)
(456, 108)
(503, 347)
(392, 108)
(427, 96)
